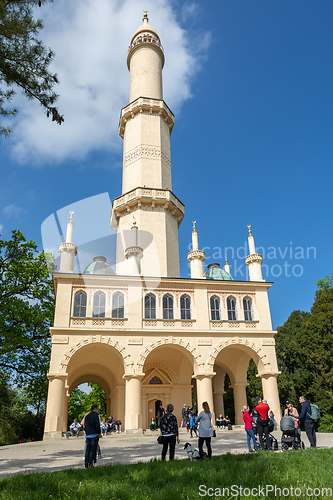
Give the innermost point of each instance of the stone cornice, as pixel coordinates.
(146, 199)
(146, 105)
(196, 255)
(255, 257)
(67, 247)
(134, 251)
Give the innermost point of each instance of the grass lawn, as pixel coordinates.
(182, 479)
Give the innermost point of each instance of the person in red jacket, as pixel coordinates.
(262, 410)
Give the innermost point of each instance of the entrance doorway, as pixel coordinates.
(153, 407)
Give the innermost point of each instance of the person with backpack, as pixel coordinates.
(262, 410)
(308, 419)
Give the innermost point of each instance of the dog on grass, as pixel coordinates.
(192, 453)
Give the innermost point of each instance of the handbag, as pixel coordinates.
(160, 440)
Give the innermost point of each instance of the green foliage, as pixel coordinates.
(24, 60)
(255, 386)
(16, 421)
(181, 479)
(304, 348)
(80, 402)
(326, 423)
(228, 399)
(26, 314)
(326, 283)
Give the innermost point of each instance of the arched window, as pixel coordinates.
(215, 311)
(117, 305)
(150, 306)
(167, 306)
(185, 307)
(231, 306)
(80, 304)
(99, 305)
(248, 310)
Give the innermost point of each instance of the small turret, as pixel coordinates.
(196, 257)
(134, 253)
(254, 260)
(68, 250)
(226, 266)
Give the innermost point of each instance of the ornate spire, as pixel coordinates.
(249, 227)
(71, 215)
(194, 223)
(145, 16)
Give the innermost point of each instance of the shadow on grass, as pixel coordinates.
(179, 479)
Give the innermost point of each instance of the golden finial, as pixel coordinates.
(226, 260)
(71, 215)
(134, 221)
(194, 223)
(145, 15)
(249, 229)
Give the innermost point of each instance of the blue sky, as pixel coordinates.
(251, 87)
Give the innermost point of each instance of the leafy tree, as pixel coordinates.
(80, 402)
(255, 386)
(228, 399)
(26, 313)
(304, 347)
(24, 60)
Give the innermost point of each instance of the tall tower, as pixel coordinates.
(145, 125)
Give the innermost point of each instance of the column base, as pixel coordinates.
(52, 435)
(134, 432)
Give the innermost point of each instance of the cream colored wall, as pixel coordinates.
(106, 349)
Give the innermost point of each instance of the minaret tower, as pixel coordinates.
(145, 125)
(68, 250)
(254, 260)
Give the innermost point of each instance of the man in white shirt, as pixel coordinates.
(75, 428)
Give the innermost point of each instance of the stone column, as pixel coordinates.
(133, 412)
(239, 400)
(55, 406)
(218, 402)
(271, 393)
(65, 413)
(205, 392)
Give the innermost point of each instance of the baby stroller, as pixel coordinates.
(273, 440)
(291, 436)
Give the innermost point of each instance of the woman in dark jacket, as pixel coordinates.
(169, 430)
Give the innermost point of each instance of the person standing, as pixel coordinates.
(184, 416)
(93, 429)
(305, 416)
(248, 428)
(291, 411)
(205, 429)
(193, 426)
(160, 413)
(169, 430)
(262, 410)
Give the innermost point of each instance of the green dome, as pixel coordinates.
(214, 272)
(99, 266)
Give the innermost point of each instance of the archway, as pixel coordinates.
(168, 376)
(103, 365)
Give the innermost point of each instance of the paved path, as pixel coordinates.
(117, 448)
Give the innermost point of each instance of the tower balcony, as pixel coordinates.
(149, 199)
(147, 106)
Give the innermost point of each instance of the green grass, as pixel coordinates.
(179, 479)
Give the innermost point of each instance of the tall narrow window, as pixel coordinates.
(215, 311)
(117, 305)
(185, 307)
(80, 304)
(248, 311)
(150, 306)
(167, 306)
(231, 306)
(99, 305)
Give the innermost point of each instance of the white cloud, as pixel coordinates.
(1, 227)
(90, 40)
(12, 210)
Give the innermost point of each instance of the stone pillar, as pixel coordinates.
(55, 406)
(218, 402)
(271, 393)
(205, 392)
(133, 412)
(239, 400)
(65, 413)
